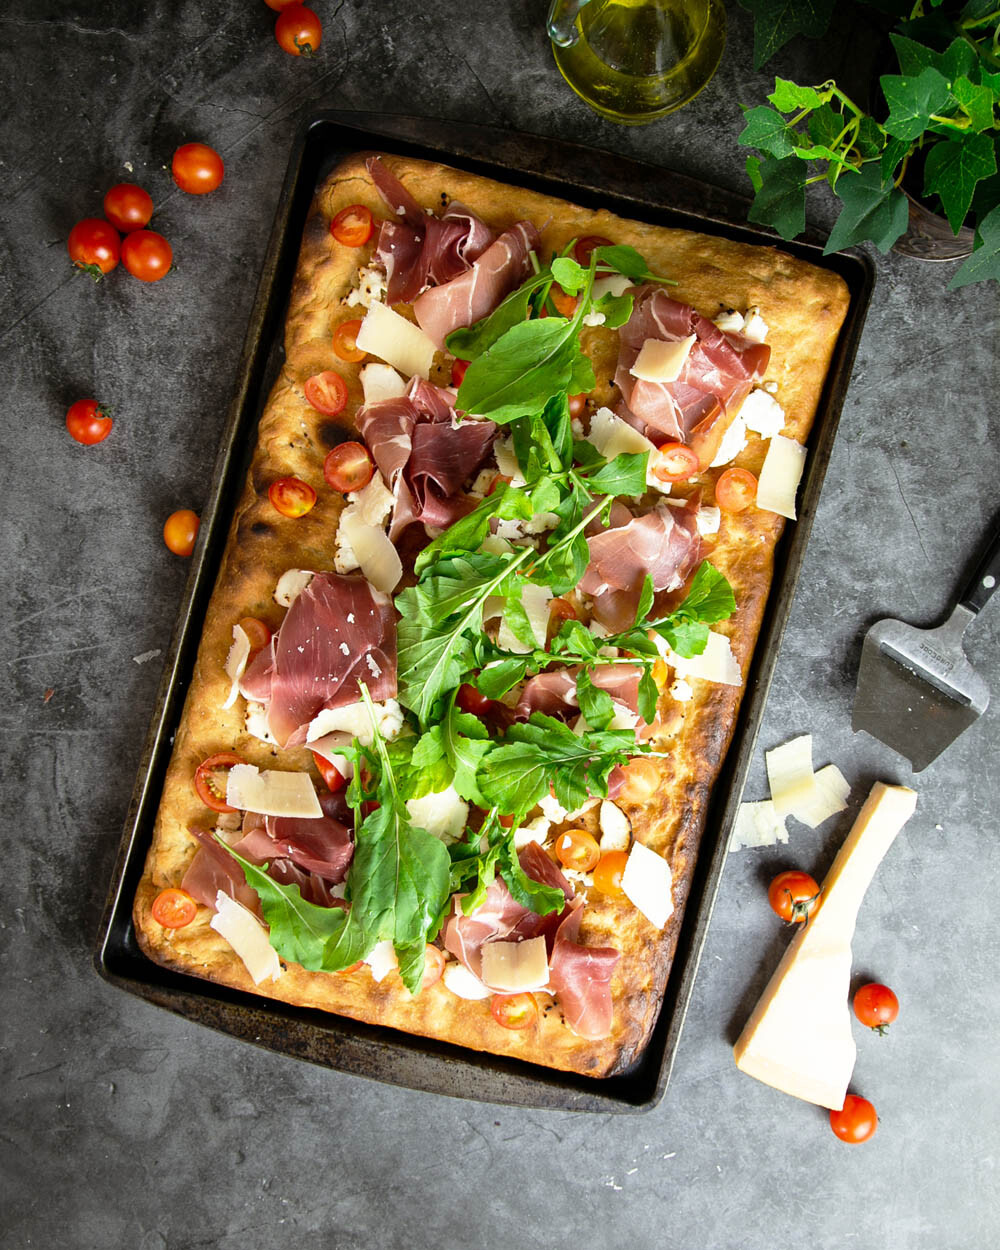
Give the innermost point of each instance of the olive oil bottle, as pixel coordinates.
(636, 60)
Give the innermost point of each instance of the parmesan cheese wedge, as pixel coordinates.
(660, 361)
(248, 938)
(516, 966)
(757, 824)
(380, 381)
(780, 476)
(829, 796)
(236, 662)
(271, 793)
(377, 557)
(395, 340)
(798, 1038)
(716, 662)
(442, 812)
(648, 883)
(790, 775)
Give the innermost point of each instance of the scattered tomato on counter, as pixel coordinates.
(291, 496)
(856, 1121)
(180, 530)
(794, 896)
(298, 30)
(876, 1006)
(197, 168)
(174, 908)
(88, 422)
(147, 255)
(94, 247)
(128, 207)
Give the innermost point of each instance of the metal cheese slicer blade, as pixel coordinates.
(916, 690)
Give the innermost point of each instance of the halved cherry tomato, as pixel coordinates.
(94, 247)
(353, 226)
(609, 872)
(345, 341)
(327, 392)
(128, 207)
(856, 1121)
(333, 778)
(794, 896)
(458, 369)
(197, 168)
(515, 1011)
(506, 821)
(586, 245)
(560, 610)
(210, 780)
(291, 496)
(500, 477)
(577, 405)
(174, 908)
(641, 780)
(348, 466)
(433, 966)
(180, 530)
(565, 304)
(298, 30)
(735, 490)
(876, 1006)
(577, 849)
(147, 255)
(470, 700)
(88, 422)
(256, 631)
(675, 462)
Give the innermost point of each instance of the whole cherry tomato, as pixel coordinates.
(348, 467)
(147, 255)
(174, 908)
(641, 780)
(876, 1006)
(514, 1011)
(180, 530)
(197, 168)
(298, 30)
(856, 1121)
(291, 496)
(94, 247)
(794, 896)
(88, 422)
(128, 207)
(353, 226)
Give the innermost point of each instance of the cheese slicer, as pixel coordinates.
(916, 690)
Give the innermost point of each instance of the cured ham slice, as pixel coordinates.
(580, 978)
(323, 846)
(716, 377)
(476, 292)
(554, 692)
(214, 869)
(320, 653)
(419, 250)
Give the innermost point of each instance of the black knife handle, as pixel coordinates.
(984, 580)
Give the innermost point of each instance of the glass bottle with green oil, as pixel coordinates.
(635, 60)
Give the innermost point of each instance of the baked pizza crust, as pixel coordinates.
(804, 308)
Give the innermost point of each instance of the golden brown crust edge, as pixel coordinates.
(804, 308)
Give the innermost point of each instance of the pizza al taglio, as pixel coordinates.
(479, 637)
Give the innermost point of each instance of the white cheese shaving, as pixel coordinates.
(463, 983)
(648, 882)
(829, 797)
(373, 502)
(754, 325)
(495, 545)
(730, 321)
(708, 519)
(381, 959)
(535, 600)
(780, 476)
(716, 663)
(757, 824)
(248, 938)
(681, 690)
(541, 522)
(614, 284)
(552, 809)
(612, 436)
(763, 414)
(271, 793)
(236, 662)
(662, 360)
(354, 720)
(395, 340)
(536, 830)
(370, 546)
(484, 480)
(290, 585)
(255, 721)
(368, 289)
(593, 318)
(790, 774)
(733, 442)
(344, 559)
(380, 381)
(442, 813)
(515, 967)
(616, 831)
(507, 462)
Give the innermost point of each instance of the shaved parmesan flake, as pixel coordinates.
(516, 966)
(373, 502)
(355, 721)
(648, 882)
(507, 462)
(790, 774)
(716, 662)
(763, 414)
(681, 690)
(733, 442)
(255, 721)
(381, 959)
(463, 983)
(615, 284)
(829, 797)
(236, 662)
(780, 476)
(708, 519)
(616, 832)
(730, 321)
(442, 813)
(757, 824)
(290, 585)
(380, 381)
(754, 325)
(248, 938)
(535, 601)
(377, 557)
(395, 340)
(536, 830)
(552, 808)
(271, 793)
(662, 361)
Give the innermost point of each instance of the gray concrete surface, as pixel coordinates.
(126, 1128)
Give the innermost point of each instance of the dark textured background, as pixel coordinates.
(124, 1128)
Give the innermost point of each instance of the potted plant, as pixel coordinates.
(937, 138)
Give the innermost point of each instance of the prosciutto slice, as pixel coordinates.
(717, 376)
(554, 692)
(214, 869)
(476, 292)
(338, 631)
(580, 978)
(419, 250)
(322, 846)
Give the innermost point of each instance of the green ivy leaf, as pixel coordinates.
(873, 210)
(953, 168)
(781, 197)
(777, 21)
(768, 131)
(789, 97)
(912, 100)
(976, 101)
(825, 125)
(870, 139)
(895, 150)
(985, 260)
(753, 172)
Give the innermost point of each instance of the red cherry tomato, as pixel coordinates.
(565, 304)
(345, 341)
(197, 168)
(327, 392)
(675, 462)
(586, 245)
(577, 405)
(88, 422)
(470, 700)
(94, 247)
(353, 226)
(210, 780)
(257, 631)
(433, 966)
(458, 369)
(794, 896)
(856, 1121)
(291, 496)
(876, 1006)
(278, 5)
(735, 490)
(298, 30)
(348, 466)
(147, 255)
(577, 849)
(515, 1011)
(609, 872)
(180, 530)
(500, 477)
(333, 778)
(128, 207)
(174, 908)
(560, 610)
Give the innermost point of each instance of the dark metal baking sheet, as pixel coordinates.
(591, 178)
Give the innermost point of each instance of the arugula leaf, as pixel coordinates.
(912, 100)
(468, 343)
(627, 261)
(596, 705)
(535, 895)
(648, 695)
(616, 309)
(574, 638)
(710, 597)
(419, 763)
(467, 533)
(686, 638)
(646, 598)
(466, 743)
(498, 678)
(570, 275)
(768, 131)
(625, 475)
(952, 170)
(777, 21)
(781, 197)
(873, 210)
(985, 260)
